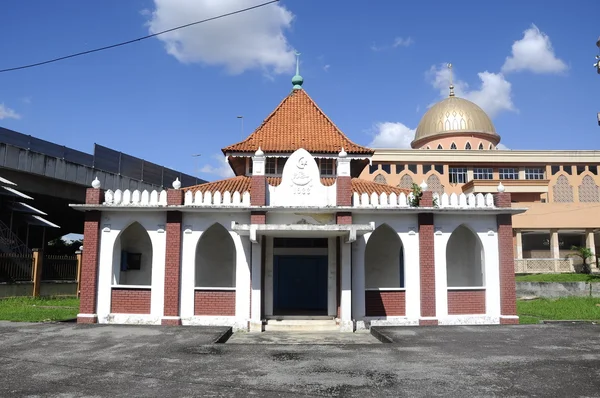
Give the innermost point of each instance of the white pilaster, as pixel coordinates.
(256, 316)
(358, 280)
(331, 277)
(441, 237)
(188, 271)
(242, 277)
(268, 276)
(346, 324)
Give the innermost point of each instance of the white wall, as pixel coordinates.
(406, 227)
(464, 259)
(382, 259)
(134, 239)
(194, 226)
(487, 231)
(215, 258)
(111, 227)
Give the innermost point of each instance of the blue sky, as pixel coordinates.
(373, 66)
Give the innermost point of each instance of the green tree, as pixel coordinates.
(586, 255)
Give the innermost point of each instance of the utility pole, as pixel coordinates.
(597, 65)
(197, 164)
(242, 127)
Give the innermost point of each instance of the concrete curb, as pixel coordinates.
(563, 322)
(224, 336)
(379, 335)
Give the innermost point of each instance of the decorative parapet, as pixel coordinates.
(135, 198)
(217, 199)
(464, 200)
(441, 201)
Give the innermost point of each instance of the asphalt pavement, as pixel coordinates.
(69, 360)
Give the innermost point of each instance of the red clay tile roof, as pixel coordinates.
(242, 184)
(239, 184)
(363, 186)
(298, 123)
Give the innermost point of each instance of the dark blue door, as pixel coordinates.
(300, 285)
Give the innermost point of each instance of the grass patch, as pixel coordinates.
(44, 309)
(565, 308)
(557, 278)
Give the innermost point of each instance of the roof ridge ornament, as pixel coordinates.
(297, 80)
(451, 84)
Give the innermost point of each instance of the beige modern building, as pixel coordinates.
(454, 151)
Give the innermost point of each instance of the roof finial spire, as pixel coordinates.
(297, 80)
(451, 84)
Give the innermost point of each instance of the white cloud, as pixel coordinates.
(254, 39)
(493, 96)
(534, 53)
(502, 147)
(222, 169)
(391, 135)
(7, 113)
(401, 42)
(398, 42)
(326, 67)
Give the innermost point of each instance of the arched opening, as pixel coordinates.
(491, 147)
(384, 273)
(406, 182)
(464, 259)
(453, 146)
(468, 146)
(215, 259)
(440, 146)
(434, 184)
(428, 147)
(133, 254)
(384, 259)
(481, 146)
(379, 178)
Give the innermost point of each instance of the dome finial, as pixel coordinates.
(451, 85)
(297, 80)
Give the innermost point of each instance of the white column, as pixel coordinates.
(590, 243)
(256, 316)
(358, 281)
(242, 280)
(519, 239)
(554, 247)
(346, 324)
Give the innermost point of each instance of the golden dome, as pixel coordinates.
(454, 116)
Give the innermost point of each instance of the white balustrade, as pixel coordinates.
(135, 198)
(444, 200)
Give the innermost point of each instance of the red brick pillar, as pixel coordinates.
(173, 260)
(506, 259)
(90, 258)
(427, 262)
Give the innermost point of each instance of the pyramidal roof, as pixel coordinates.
(298, 122)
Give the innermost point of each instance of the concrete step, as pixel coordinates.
(298, 325)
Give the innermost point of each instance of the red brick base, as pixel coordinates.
(214, 302)
(87, 319)
(130, 301)
(466, 302)
(428, 322)
(509, 321)
(385, 303)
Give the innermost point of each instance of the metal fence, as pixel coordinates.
(112, 161)
(59, 268)
(46, 147)
(104, 159)
(16, 267)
